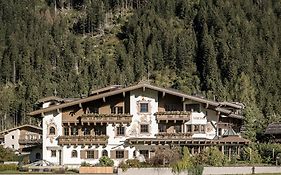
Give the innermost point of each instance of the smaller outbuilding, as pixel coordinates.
(24, 139)
(273, 130)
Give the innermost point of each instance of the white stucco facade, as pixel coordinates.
(138, 98)
(12, 140)
(50, 142)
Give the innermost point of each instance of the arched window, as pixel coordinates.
(134, 153)
(74, 153)
(52, 130)
(104, 153)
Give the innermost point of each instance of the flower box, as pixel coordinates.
(95, 170)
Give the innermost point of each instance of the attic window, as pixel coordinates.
(143, 107)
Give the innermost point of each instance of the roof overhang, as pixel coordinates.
(131, 88)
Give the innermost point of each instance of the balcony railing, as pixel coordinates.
(165, 135)
(106, 118)
(30, 141)
(173, 115)
(83, 140)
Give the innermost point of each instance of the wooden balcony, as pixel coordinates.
(83, 140)
(30, 141)
(173, 115)
(165, 135)
(106, 118)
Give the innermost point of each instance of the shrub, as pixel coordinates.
(105, 161)
(185, 164)
(59, 171)
(210, 156)
(251, 155)
(23, 169)
(7, 154)
(86, 164)
(124, 166)
(196, 170)
(131, 163)
(268, 152)
(165, 156)
(4, 167)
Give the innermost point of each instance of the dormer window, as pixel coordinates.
(144, 107)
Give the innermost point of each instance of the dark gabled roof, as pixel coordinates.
(273, 128)
(19, 127)
(106, 89)
(232, 104)
(50, 98)
(233, 139)
(130, 88)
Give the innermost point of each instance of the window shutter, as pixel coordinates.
(113, 154)
(96, 154)
(126, 154)
(83, 154)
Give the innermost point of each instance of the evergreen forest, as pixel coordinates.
(223, 50)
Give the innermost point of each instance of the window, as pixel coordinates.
(143, 107)
(52, 130)
(53, 153)
(37, 156)
(196, 128)
(177, 128)
(104, 153)
(13, 146)
(220, 131)
(120, 131)
(192, 107)
(162, 128)
(134, 153)
(173, 107)
(90, 154)
(74, 153)
(144, 128)
(95, 110)
(100, 130)
(117, 110)
(66, 131)
(188, 128)
(144, 153)
(119, 154)
(13, 137)
(74, 131)
(86, 131)
(202, 129)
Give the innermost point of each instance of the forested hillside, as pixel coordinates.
(225, 50)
